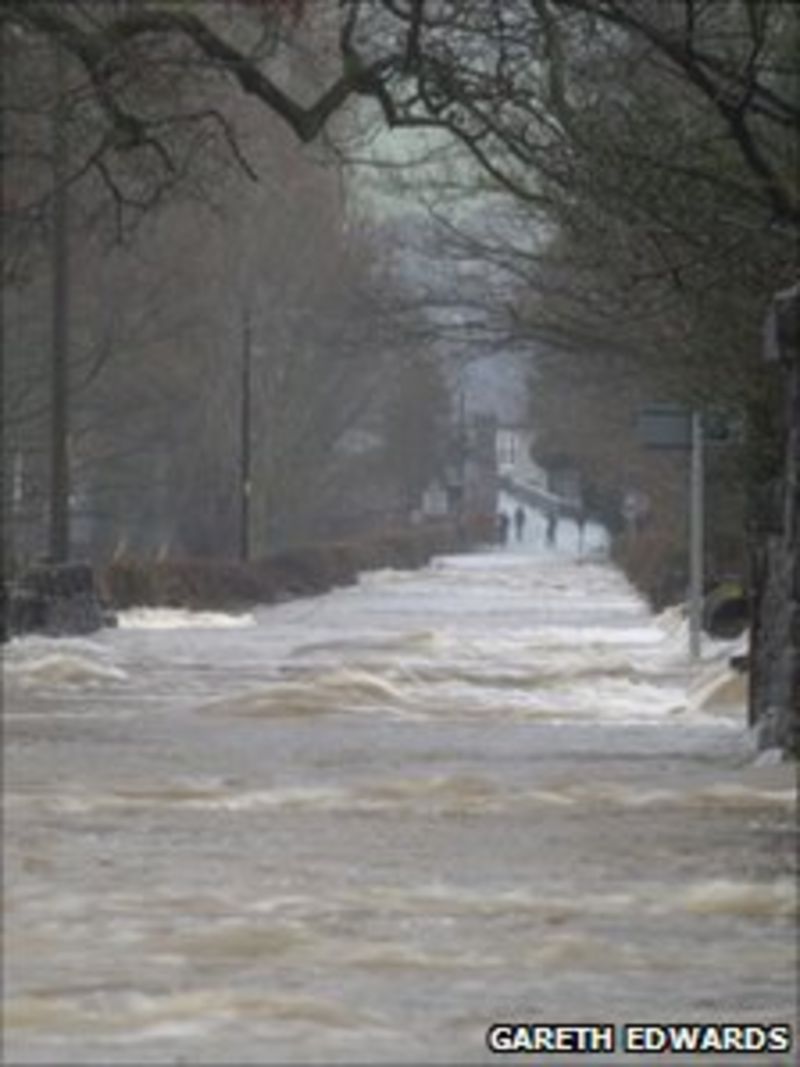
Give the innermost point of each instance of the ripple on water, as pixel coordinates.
(62, 669)
(778, 899)
(428, 795)
(769, 899)
(327, 692)
(133, 1010)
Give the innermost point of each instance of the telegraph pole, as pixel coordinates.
(244, 450)
(462, 458)
(59, 371)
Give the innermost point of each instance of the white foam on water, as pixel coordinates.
(722, 796)
(32, 645)
(399, 956)
(577, 950)
(39, 662)
(140, 1014)
(591, 637)
(777, 899)
(737, 795)
(182, 619)
(455, 794)
(672, 620)
(716, 688)
(62, 668)
(327, 691)
(442, 681)
(447, 900)
(233, 939)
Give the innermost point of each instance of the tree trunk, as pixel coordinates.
(775, 637)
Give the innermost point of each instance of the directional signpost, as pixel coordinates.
(672, 426)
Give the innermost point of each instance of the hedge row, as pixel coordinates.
(655, 566)
(210, 584)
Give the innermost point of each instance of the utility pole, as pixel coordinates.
(59, 372)
(462, 456)
(6, 530)
(244, 423)
(696, 522)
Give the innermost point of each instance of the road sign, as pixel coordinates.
(665, 426)
(669, 426)
(635, 505)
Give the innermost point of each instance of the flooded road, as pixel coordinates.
(363, 827)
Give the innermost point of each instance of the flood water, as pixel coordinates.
(364, 826)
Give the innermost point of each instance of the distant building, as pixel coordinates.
(513, 448)
(435, 501)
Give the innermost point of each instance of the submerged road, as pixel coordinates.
(364, 827)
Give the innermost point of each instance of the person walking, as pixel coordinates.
(503, 523)
(519, 521)
(552, 528)
(580, 522)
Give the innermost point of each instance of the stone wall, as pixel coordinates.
(775, 639)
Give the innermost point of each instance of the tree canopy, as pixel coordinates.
(506, 79)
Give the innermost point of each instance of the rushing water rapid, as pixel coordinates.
(361, 828)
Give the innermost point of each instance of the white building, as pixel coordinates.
(513, 447)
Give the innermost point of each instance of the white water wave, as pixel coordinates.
(167, 1011)
(63, 669)
(181, 618)
(723, 897)
(456, 794)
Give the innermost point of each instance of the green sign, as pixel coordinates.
(665, 426)
(669, 426)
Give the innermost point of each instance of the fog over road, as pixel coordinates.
(365, 826)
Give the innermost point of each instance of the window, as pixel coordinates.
(507, 448)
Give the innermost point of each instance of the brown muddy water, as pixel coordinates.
(363, 827)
